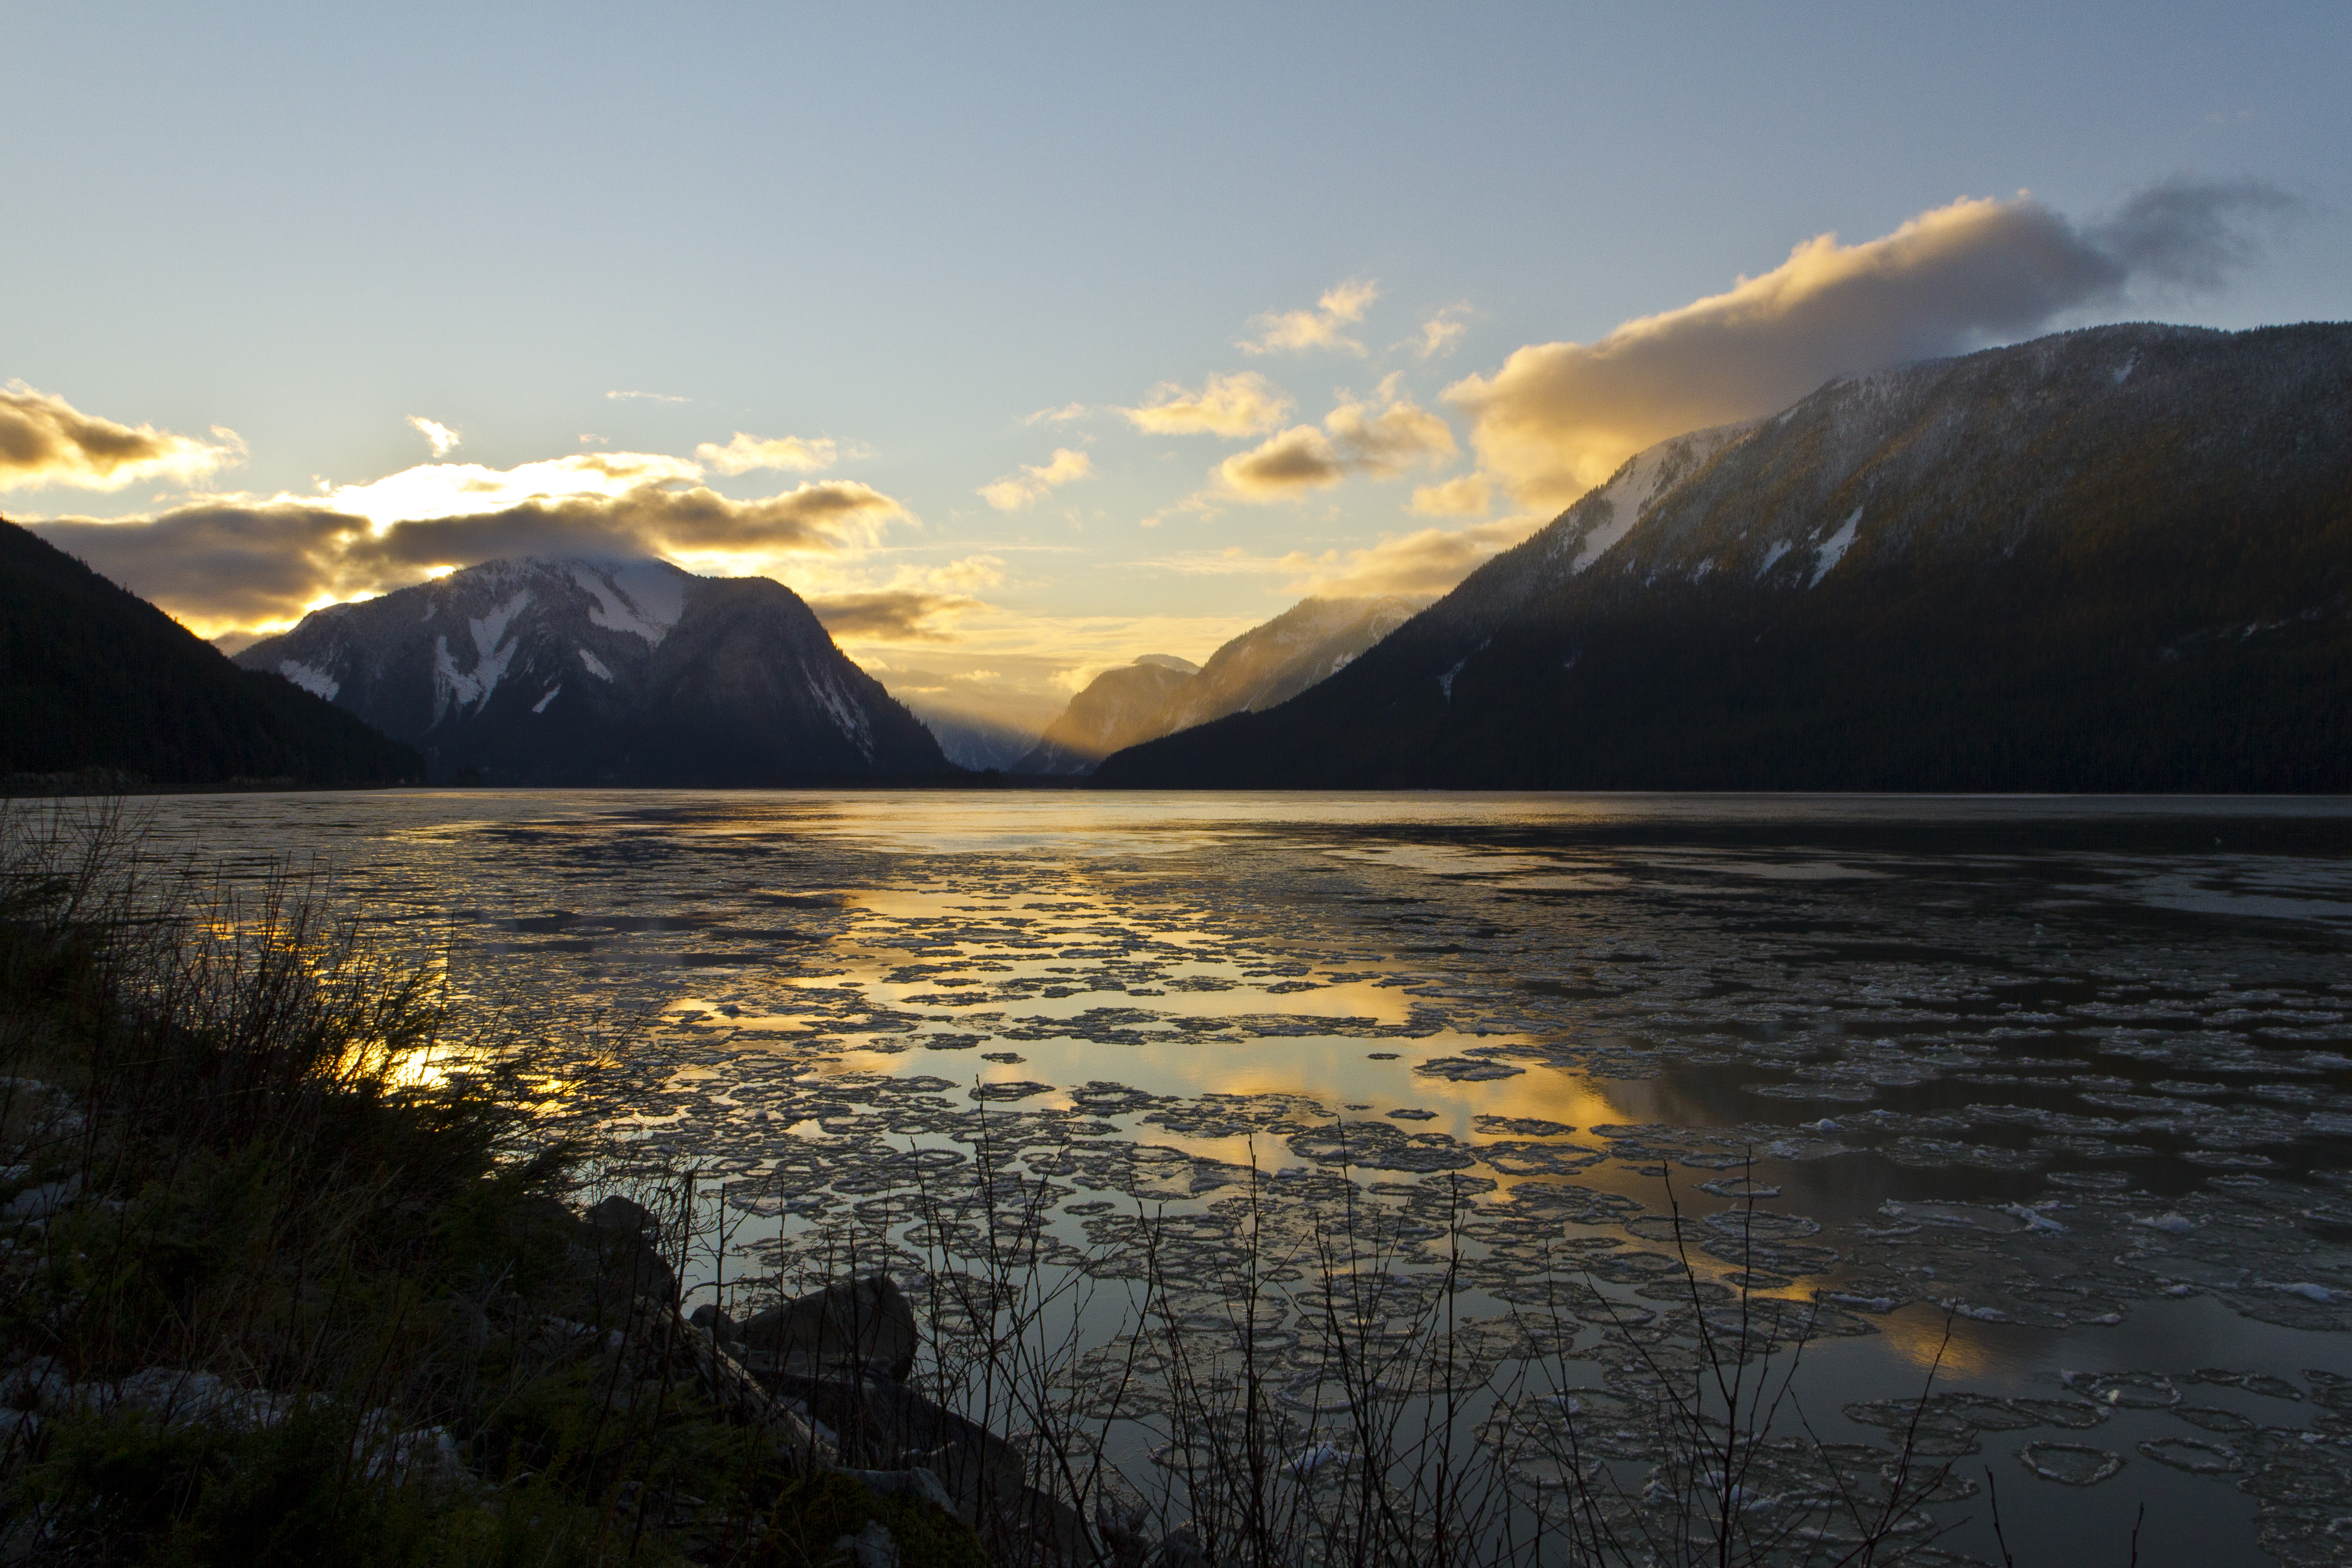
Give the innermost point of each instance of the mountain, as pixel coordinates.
(975, 740)
(1118, 708)
(93, 677)
(1266, 665)
(2117, 559)
(596, 670)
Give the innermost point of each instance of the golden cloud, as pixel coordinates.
(1319, 328)
(1424, 564)
(1442, 333)
(1466, 497)
(243, 562)
(1558, 418)
(791, 453)
(1229, 406)
(1380, 439)
(1035, 481)
(45, 440)
(443, 439)
(890, 615)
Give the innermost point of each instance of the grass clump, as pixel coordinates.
(287, 1275)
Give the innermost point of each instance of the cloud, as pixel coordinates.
(890, 615)
(1033, 482)
(745, 453)
(1428, 561)
(1062, 416)
(1318, 327)
(444, 440)
(1424, 564)
(971, 571)
(1466, 497)
(2191, 234)
(45, 440)
(1558, 418)
(245, 561)
(1229, 406)
(647, 396)
(1380, 439)
(1442, 333)
(454, 489)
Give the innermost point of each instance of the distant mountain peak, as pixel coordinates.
(598, 669)
(1266, 665)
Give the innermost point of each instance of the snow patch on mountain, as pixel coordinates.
(846, 715)
(1833, 549)
(640, 597)
(596, 665)
(309, 678)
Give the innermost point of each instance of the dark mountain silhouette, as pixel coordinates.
(94, 677)
(2117, 558)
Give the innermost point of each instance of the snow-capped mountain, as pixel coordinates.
(597, 670)
(1157, 695)
(2113, 559)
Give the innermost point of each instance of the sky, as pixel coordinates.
(1024, 340)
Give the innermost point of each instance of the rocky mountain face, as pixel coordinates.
(1118, 708)
(2117, 559)
(1157, 695)
(592, 671)
(95, 680)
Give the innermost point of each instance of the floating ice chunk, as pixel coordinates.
(2035, 1220)
(2170, 1223)
(1309, 1461)
(2070, 1464)
(2303, 1287)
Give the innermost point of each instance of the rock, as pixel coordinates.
(590, 1268)
(41, 1202)
(622, 1239)
(870, 1547)
(846, 1326)
(880, 1425)
(918, 1481)
(617, 1213)
(715, 1322)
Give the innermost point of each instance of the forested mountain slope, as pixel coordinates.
(2116, 559)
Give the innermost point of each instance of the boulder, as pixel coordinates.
(623, 1239)
(849, 1326)
(587, 1268)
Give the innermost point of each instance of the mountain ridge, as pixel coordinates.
(1262, 667)
(97, 680)
(2111, 558)
(604, 669)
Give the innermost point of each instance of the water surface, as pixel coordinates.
(2051, 1089)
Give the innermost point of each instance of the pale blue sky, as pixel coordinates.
(907, 227)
